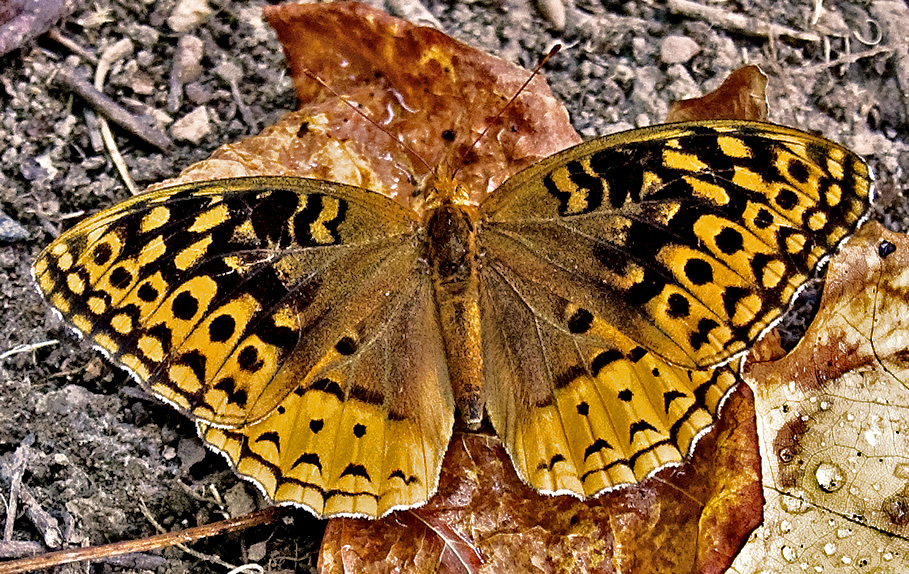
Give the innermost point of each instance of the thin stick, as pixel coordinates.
(264, 516)
(27, 348)
(847, 59)
(112, 110)
(116, 52)
(737, 22)
(57, 36)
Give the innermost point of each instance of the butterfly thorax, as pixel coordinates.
(451, 251)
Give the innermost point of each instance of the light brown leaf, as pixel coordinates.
(834, 423)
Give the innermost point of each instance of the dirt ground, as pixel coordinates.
(99, 448)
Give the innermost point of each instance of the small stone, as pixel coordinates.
(11, 230)
(190, 50)
(145, 36)
(197, 93)
(193, 127)
(257, 551)
(169, 453)
(190, 452)
(238, 500)
(188, 15)
(678, 49)
(142, 84)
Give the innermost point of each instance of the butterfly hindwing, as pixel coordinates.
(273, 299)
(666, 250)
(367, 452)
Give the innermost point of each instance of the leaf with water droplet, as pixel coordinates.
(834, 425)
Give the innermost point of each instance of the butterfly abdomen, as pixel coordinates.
(451, 250)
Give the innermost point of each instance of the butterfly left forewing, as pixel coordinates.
(634, 263)
(264, 301)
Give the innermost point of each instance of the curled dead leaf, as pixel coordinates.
(742, 96)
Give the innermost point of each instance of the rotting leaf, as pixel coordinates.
(834, 423)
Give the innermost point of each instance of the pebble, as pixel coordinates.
(193, 127)
(188, 15)
(678, 49)
(238, 500)
(11, 230)
(190, 452)
(190, 50)
(257, 551)
(197, 93)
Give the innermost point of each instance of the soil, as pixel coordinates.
(99, 448)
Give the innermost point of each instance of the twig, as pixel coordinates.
(195, 554)
(18, 548)
(232, 74)
(737, 22)
(23, 20)
(116, 52)
(57, 36)
(18, 349)
(13, 473)
(46, 524)
(151, 543)
(112, 110)
(847, 59)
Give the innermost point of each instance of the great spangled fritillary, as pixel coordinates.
(321, 335)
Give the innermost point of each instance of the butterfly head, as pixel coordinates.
(442, 189)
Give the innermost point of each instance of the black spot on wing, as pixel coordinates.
(272, 437)
(308, 458)
(327, 385)
(639, 426)
(595, 447)
(355, 470)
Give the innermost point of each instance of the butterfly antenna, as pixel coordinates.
(365, 116)
(555, 50)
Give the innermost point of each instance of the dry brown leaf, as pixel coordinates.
(742, 96)
(434, 93)
(834, 423)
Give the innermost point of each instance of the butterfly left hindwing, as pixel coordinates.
(276, 312)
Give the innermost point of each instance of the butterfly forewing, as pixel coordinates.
(633, 263)
(239, 301)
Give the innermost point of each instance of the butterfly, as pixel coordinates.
(323, 336)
